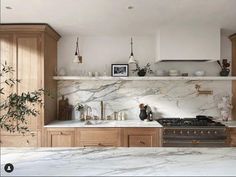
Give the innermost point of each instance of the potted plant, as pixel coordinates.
(79, 108)
(224, 67)
(144, 70)
(15, 107)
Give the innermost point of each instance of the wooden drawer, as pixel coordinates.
(141, 137)
(18, 141)
(100, 137)
(140, 141)
(61, 137)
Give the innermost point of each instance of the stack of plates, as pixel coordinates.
(174, 72)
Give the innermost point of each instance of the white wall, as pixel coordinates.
(99, 52)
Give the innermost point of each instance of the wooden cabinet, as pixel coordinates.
(141, 137)
(233, 68)
(98, 137)
(103, 137)
(32, 51)
(18, 141)
(61, 137)
(232, 137)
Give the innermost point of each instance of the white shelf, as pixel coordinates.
(147, 78)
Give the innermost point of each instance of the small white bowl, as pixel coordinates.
(199, 73)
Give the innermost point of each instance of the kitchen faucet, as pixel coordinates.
(102, 110)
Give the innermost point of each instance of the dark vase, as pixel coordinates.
(142, 73)
(224, 72)
(143, 114)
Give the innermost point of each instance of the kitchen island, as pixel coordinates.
(119, 161)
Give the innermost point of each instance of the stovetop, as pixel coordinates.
(189, 122)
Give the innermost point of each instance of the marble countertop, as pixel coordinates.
(104, 123)
(119, 161)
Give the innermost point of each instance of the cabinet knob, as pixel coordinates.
(61, 133)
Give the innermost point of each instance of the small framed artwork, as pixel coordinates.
(119, 70)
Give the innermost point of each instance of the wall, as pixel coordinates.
(99, 52)
(167, 98)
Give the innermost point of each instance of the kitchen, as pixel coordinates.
(131, 89)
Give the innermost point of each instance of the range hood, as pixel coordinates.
(179, 60)
(181, 43)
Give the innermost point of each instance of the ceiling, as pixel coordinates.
(112, 17)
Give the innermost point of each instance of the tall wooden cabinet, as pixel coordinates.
(233, 39)
(32, 51)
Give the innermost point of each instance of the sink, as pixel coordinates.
(98, 122)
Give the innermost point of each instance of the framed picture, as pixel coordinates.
(119, 70)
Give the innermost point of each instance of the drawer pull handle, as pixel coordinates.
(195, 142)
(100, 144)
(141, 142)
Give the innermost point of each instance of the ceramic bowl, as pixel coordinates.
(199, 73)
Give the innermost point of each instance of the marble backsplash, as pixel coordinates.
(166, 98)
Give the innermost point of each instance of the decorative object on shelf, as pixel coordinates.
(61, 71)
(78, 57)
(131, 57)
(160, 72)
(173, 72)
(203, 92)
(65, 109)
(225, 108)
(79, 112)
(224, 67)
(145, 112)
(143, 71)
(119, 70)
(184, 74)
(199, 73)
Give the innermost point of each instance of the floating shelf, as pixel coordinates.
(147, 78)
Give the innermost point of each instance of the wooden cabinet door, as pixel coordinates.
(98, 137)
(60, 137)
(141, 137)
(18, 141)
(7, 55)
(29, 68)
(232, 137)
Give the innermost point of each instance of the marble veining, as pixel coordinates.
(166, 98)
(119, 161)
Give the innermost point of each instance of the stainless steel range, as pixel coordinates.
(201, 131)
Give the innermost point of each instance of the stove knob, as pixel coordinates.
(174, 132)
(215, 132)
(195, 132)
(208, 132)
(201, 132)
(181, 132)
(188, 132)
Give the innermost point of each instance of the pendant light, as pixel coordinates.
(77, 58)
(131, 57)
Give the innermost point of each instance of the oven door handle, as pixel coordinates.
(195, 142)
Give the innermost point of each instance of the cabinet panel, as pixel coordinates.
(61, 138)
(18, 141)
(141, 137)
(29, 68)
(232, 137)
(100, 137)
(140, 141)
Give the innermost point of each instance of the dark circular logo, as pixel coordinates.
(8, 167)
